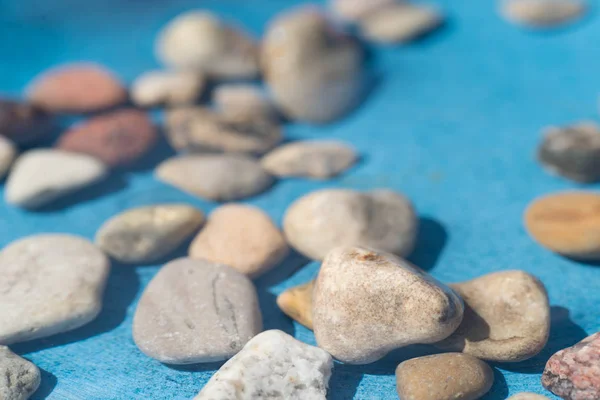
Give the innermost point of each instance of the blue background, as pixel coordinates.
(453, 121)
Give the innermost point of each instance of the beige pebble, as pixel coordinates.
(170, 88)
(8, 153)
(296, 303)
(247, 100)
(527, 396)
(243, 237)
(355, 10)
(542, 13)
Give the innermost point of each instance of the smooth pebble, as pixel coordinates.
(22, 122)
(542, 13)
(527, 396)
(355, 10)
(8, 153)
(245, 100)
(296, 303)
(171, 88)
(19, 378)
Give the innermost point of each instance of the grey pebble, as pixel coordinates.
(542, 13)
(19, 378)
(247, 100)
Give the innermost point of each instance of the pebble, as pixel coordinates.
(22, 122)
(313, 70)
(246, 100)
(572, 151)
(542, 13)
(199, 41)
(356, 10)
(272, 365)
(296, 303)
(51, 283)
(567, 223)
(367, 303)
(195, 311)
(19, 378)
(146, 234)
(225, 177)
(325, 219)
(204, 130)
(40, 176)
(243, 237)
(318, 159)
(574, 373)
(507, 317)
(118, 138)
(8, 153)
(76, 88)
(527, 396)
(400, 23)
(171, 88)
(450, 376)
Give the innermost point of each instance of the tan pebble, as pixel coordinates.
(296, 303)
(243, 99)
(507, 317)
(8, 153)
(527, 396)
(355, 10)
(542, 13)
(170, 88)
(567, 223)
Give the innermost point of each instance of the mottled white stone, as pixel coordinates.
(167, 87)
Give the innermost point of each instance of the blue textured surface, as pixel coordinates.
(453, 123)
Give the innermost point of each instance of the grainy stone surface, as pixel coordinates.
(542, 13)
(76, 88)
(204, 130)
(567, 223)
(355, 10)
(572, 151)
(146, 234)
(368, 303)
(22, 122)
(51, 283)
(243, 237)
(320, 159)
(325, 219)
(224, 177)
(273, 365)
(296, 302)
(19, 378)
(574, 373)
(118, 138)
(41, 176)
(450, 376)
(507, 317)
(171, 88)
(527, 396)
(195, 311)
(8, 153)
(245, 100)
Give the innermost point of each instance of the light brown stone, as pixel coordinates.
(355, 10)
(296, 303)
(527, 396)
(171, 88)
(245, 100)
(542, 13)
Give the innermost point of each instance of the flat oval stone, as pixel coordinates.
(76, 88)
(171, 88)
(225, 177)
(296, 303)
(8, 153)
(51, 283)
(507, 317)
(195, 311)
(243, 237)
(527, 396)
(325, 219)
(542, 13)
(19, 378)
(22, 122)
(450, 376)
(272, 364)
(41, 176)
(567, 223)
(146, 234)
(355, 10)
(204, 130)
(368, 303)
(318, 159)
(244, 100)
(118, 138)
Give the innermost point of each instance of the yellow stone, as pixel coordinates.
(296, 303)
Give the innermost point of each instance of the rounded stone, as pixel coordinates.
(146, 234)
(450, 376)
(76, 88)
(19, 378)
(51, 283)
(245, 100)
(527, 396)
(542, 13)
(118, 138)
(195, 311)
(243, 237)
(356, 10)
(171, 88)
(567, 223)
(8, 153)
(325, 219)
(368, 303)
(506, 319)
(22, 122)
(224, 177)
(296, 303)
(319, 159)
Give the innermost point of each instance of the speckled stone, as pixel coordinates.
(243, 237)
(39, 177)
(367, 303)
(319, 159)
(507, 317)
(8, 153)
(224, 177)
(245, 100)
(195, 311)
(22, 122)
(19, 378)
(567, 223)
(355, 10)
(527, 396)
(542, 13)
(574, 373)
(146, 234)
(204, 130)
(171, 88)
(325, 219)
(51, 283)
(118, 138)
(296, 303)
(273, 365)
(450, 376)
(76, 88)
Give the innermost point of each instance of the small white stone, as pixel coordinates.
(243, 99)
(165, 87)
(273, 365)
(8, 153)
(355, 10)
(542, 13)
(19, 378)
